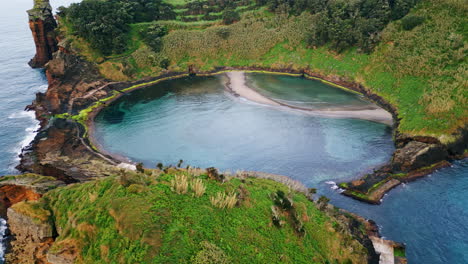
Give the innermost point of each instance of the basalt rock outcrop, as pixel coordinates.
(59, 149)
(30, 235)
(26, 187)
(42, 25)
(33, 236)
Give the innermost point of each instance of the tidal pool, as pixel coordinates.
(196, 120)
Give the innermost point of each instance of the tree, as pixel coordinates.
(411, 21)
(152, 36)
(105, 24)
(230, 16)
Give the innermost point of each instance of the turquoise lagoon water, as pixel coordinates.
(196, 120)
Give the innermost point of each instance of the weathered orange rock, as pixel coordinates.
(11, 194)
(42, 25)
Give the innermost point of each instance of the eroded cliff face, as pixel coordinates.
(30, 236)
(42, 25)
(33, 237)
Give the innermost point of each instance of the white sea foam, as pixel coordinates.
(127, 166)
(3, 229)
(42, 88)
(333, 185)
(30, 131)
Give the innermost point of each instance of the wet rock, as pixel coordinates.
(415, 155)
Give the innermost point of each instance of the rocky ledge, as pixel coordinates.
(32, 234)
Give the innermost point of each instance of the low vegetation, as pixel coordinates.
(139, 217)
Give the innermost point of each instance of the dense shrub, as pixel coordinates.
(230, 16)
(344, 24)
(152, 36)
(210, 254)
(223, 32)
(411, 21)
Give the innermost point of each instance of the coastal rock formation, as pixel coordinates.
(27, 187)
(31, 232)
(58, 151)
(70, 78)
(42, 25)
(415, 155)
(32, 237)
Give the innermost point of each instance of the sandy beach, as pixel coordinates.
(237, 86)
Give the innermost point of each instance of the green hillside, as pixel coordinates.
(182, 217)
(419, 65)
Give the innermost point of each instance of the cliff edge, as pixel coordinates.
(42, 25)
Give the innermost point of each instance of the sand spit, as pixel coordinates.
(237, 86)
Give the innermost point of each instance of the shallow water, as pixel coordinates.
(318, 96)
(194, 119)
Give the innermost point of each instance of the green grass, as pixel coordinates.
(137, 218)
(178, 2)
(399, 252)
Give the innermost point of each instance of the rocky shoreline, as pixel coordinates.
(65, 148)
(413, 158)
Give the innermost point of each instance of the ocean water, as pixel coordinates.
(429, 215)
(18, 85)
(195, 120)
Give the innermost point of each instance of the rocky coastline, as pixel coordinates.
(65, 148)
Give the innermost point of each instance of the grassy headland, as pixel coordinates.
(181, 216)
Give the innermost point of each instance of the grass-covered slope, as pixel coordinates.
(419, 65)
(161, 218)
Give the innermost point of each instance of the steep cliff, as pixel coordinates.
(42, 25)
(136, 217)
(33, 233)
(29, 226)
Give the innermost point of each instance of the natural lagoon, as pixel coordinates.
(197, 120)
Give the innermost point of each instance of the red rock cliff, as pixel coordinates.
(42, 24)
